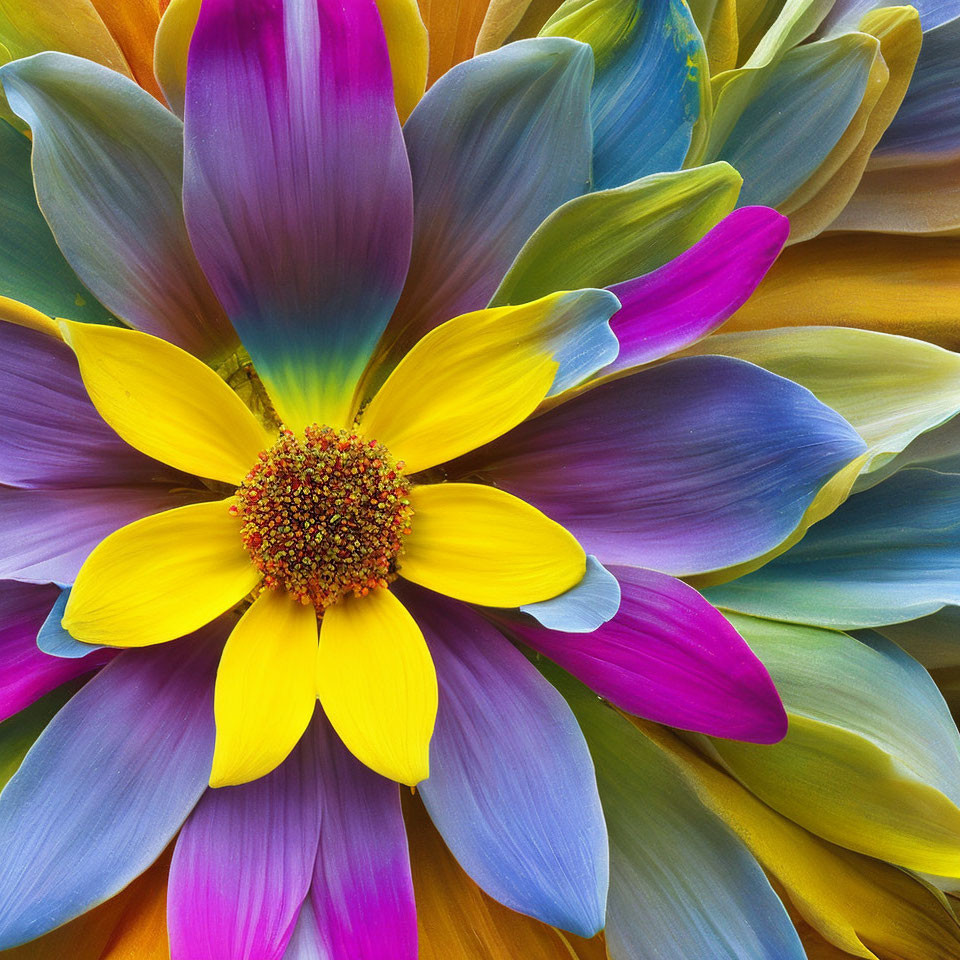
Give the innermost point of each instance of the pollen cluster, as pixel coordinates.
(324, 515)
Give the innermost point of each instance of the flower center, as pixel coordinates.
(325, 516)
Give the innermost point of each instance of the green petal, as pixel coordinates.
(614, 235)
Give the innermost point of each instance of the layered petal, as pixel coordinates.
(615, 235)
(297, 190)
(50, 433)
(407, 44)
(377, 684)
(171, 47)
(48, 534)
(872, 757)
(452, 30)
(687, 298)
(362, 893)
(32, 268)
(887, 555)
(582, 608)
(678, 878)
(651, 90)
(106, 786)
(890, 389)
(133, 24)
(28, 673)
(494, 148)
(668, 655)
(474, 377)
(654, 469)
(107, 164)
(485, 546)
(243, 862)
(511, 785)
(161, 577)
(54, 640)
(166, 403)
(265, 691)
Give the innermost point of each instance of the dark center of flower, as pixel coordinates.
(325, 516)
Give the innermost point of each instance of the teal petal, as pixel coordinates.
(54, 640)
(872, 757)
(681, 885)
(651, 87)
(32, 268)
(888, 554)
(583, 608)
(108, 169)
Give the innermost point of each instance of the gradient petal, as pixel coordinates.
(48, 534)
(362, 893)
(485, 546)
(265, 691)
(243, 863)
(453, 30)
(50, 433)
(107, 163)
(377, 685)
(669, 656)
(54, 640)
(654, 469)
(495, 146)
(106, 786)
(511, 785)
(877, 751)
(472, 378)
(584, 607)
(161, 577)
(32, 268)
(166, 403)
(614, 235)
(678, 878)
(651, 90)
(29, 673)
(694, 293)
(297, 190)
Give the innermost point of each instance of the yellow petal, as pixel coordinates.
(170, 50)
(407, 44)
(858, 904)
(264, 697)
(12, 311)
(165, 402)
(483, 545)
(377, 684)
(903, 285)
(465, 383)
(161, 577)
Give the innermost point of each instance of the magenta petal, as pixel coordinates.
(27, 673)
(669, 656)
(297, 187)
(243, 862)
(47, 534)
(692, 295)
(362, 892)
(50, 433)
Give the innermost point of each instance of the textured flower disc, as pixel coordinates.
(325, 516)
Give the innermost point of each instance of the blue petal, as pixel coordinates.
(583, 608)
(889, 554)
(511, 785)
(106, 786)
(53, 639)
(650, 84)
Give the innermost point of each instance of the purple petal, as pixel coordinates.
(692, 295)
(685, 467)
(47, 534)
(243, 863)
(26, 673)
(107, 785)
(362, 892)
(50, 433)
(669, 656)
(511, 786)
(496, 144)
(297, 188)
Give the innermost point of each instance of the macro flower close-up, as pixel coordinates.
(479, 480)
